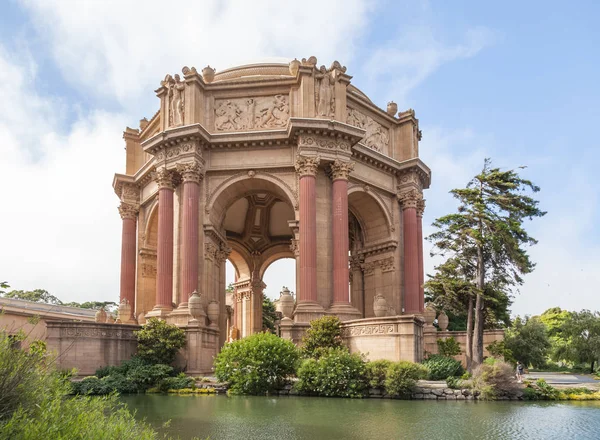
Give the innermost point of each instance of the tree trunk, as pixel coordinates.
(469, 353)
(479, 307)
(592, 369)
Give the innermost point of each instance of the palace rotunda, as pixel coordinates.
(268, 161)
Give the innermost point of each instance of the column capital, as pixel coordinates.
(164, 178)
(409, 198)
(341, 169)
(128, 210)
(191, 171)
(420, 207)
(307, 165)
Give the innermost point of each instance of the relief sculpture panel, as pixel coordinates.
(377, 136)
(240, 114)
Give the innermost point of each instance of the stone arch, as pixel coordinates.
(239, 262)
(273, 254)
(371, 213)
(151, 227)
(242, 184)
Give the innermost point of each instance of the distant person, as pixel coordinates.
(519, 372)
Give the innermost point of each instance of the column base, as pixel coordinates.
(159, 312)
(344, 311)
(307, 311)
(180, 316)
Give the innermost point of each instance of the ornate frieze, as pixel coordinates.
(191, 171)
(341, 169)
(380, 329)
(148, 268)
(96, 332)
(295, 247)
(210, 251)
(222, 254)
(128, 210)
(307, 166)
(130, 193)
(164, 178)
(377, 136)
(175, 99)
(409, 198)
(323, 142)
(258, 113)
(385, 264)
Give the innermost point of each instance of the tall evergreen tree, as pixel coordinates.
(487, 239)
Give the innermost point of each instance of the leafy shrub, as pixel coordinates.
(441, 367)
(159, 342)
(401, 377)
(494, 378)
(324, 333)
(376, 372)
(498, 350)
(336, 373)
(448, 347)
(257, 364)
(34, 403)
(453, 382)
(178, 382)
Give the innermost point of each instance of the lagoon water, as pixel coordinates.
(302, 418)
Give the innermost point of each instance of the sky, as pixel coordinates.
(514, 81)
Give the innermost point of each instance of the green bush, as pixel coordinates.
(441, 367)
(401, 377)
(453, 382)
(448, 347)
(132, 376)
(336, 373)
(34, 403)
(257, 364)
(159, 342)
(178, 382)
(494, 378)
(376, 373)
(324, 333)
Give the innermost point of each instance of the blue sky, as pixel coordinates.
(514, 81)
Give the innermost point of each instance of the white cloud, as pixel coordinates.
(405, 62)
(122, 49)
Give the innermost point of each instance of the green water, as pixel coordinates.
(296, 418)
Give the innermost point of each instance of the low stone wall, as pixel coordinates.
(394, 338)
(88, 346)
(431, 336)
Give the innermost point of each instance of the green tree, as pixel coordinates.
(528, 341)
(581, 333)
(159, 342)
(324, 333)
(269, 315)
(37, 295)
(229, 288)
(109, 306)
(487, 238)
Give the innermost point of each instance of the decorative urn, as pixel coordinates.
(443, 321)
(294, 67)
(100, 316)
(392, 108)
(208, 74)
(195, 306)
(429, 315)
(124, 314)
(213, 313)
(380, 307)
(286, 303)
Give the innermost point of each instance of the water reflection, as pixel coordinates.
(297, 418)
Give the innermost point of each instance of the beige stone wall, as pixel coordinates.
(431, 337)
(89, 346)
(396, 338)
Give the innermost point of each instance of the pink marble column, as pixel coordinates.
(340, 171)
(128, 254)
(420, 210)
(412, 290)
(191, 173)
(164, 257)
(307, 168)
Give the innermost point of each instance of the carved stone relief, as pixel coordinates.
(264, 112)
(324, 93)
(377, 136)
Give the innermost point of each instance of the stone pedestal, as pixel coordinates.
(202, 346)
